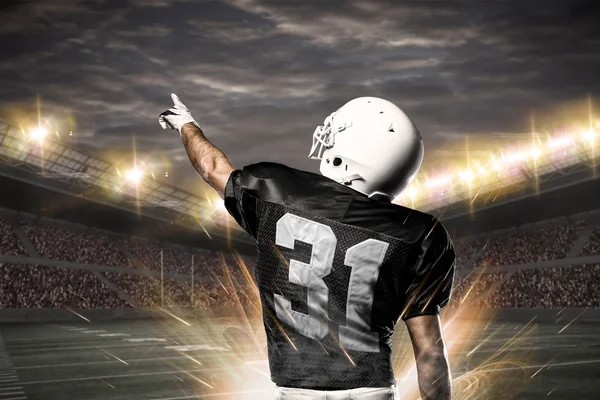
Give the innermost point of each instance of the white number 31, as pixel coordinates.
(365, 259)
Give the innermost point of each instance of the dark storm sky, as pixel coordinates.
(260, 75)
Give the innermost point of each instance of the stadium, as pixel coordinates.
(117, 286)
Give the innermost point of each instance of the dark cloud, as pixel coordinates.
(260, 75)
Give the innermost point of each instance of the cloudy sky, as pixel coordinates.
(260, 75)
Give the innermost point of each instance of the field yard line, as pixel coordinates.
(94, 352)
(82, 339)
(200, 396)
(561, 364)
(12, 388)
(508, 349)
(98, 343)
(534, 337)
(135, 360)
(92, 378)
(113, 334)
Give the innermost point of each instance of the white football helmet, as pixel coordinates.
(370, 145)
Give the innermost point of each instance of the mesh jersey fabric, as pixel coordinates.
(336, 270)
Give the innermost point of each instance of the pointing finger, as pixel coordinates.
(176, 101)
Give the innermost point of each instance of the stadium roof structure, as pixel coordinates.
(562, 161)
(84, 175)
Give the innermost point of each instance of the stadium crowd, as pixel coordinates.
(147, 291)
(572, 287)
(542, 243)
(466, 248)
(31, 286)
(470, 288)
(9, 243)
(592, 246)
(223, 281)
(57, 243)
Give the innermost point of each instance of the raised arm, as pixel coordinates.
(435, 382)
(208, 160)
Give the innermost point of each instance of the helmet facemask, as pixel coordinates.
(324, 136)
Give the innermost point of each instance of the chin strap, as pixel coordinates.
(347, 180)
(378, 196)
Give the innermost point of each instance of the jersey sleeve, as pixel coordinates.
(240, 203)
(246, 188)
(431, 277)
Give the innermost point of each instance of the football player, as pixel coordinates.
(338, 263)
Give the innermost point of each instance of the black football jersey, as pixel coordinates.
(336, 270)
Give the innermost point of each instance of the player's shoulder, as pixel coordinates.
(429, 227)
(268, 170)
(405, 223)
(280, 183)
(415, 218)
(432, 229)
(268, 180)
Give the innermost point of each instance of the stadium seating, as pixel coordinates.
(469, 289)
(9, 243)
(58, 243)
(221, 281)
(530, 245)
(30, 286)
(571, 287)
(592, 247)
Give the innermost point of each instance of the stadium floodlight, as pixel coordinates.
(467, 176)
(557, 142)
(134, 175)
(38, 133)
(535, 153)
(439, 181)
(589, 135)
(516, 157)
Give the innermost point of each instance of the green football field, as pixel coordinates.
(169, 360)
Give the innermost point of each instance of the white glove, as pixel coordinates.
(176, 117)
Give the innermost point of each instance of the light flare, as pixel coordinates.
(134, 175)
(38, 133)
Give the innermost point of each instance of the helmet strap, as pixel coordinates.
(347, 180)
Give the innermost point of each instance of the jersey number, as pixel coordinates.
(365, 259)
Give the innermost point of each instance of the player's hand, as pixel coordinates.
(176, 116)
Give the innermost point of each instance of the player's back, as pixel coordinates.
(336, 270)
